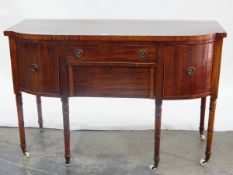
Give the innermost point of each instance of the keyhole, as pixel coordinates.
(109, 50)
(109, 70)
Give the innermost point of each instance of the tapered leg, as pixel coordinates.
(202, 118)
(158, 114)
(210, 130)
(19, 104)
(39, 111)
(65, 110)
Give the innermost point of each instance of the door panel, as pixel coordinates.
(112, 81)
(187, 70)
(38, 67)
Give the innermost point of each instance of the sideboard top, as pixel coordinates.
(84, 29)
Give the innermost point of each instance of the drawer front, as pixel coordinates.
(38, 68)
(111, 81)
(187, 70)
(110, 53)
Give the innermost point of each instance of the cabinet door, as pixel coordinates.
(38, 68)
(187, 70)
(111, 81)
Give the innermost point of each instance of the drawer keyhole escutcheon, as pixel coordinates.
(34, 68)
(109, 50)
(109, 70)
(143, 53)
(78, 53)
(190, 50)
(191, 70)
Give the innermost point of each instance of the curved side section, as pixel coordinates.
(38, 67)
(40, 93)
(187, 70)
(187, 97)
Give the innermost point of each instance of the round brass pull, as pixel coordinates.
(191, 70)
(34, 67)
(143, 53)
(78, 53)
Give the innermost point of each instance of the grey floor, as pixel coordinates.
(113, 153)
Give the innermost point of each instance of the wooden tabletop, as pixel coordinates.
(105, 27)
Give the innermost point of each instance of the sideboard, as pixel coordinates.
(155, 59)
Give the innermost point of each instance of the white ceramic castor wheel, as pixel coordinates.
(152, 166)
(67, 163)
(27, 154)
(202, 137)
(203, 162)
(41, 129)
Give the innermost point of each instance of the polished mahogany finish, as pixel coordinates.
(40, 64)
(111, 81)
(116, 30)
(187, 63)
(111, 53)
(160, 60)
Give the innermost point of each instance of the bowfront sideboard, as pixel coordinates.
(155, 59)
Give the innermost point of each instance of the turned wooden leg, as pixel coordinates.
(158, 114)
(19, 104)
(39, 111)
(65, 110)
(210, 130)
(202, 118)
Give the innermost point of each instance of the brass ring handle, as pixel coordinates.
(78, 53)
(191, 70)
(34, 67)
(143, 53)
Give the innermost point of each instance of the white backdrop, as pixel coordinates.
(108, 113)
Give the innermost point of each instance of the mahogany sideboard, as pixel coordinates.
(156, 59)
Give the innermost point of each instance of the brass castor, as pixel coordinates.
(203, 162)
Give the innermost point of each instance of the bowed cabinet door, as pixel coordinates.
(187, 70)
(38, 68)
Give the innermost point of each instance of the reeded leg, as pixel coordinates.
(39, 111)
(202, 118)
(209, 131)
(19, 104)
(65, 110)
(158, 114)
